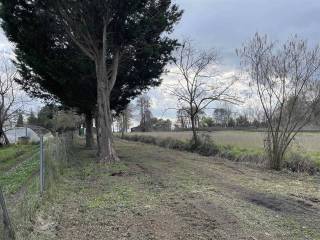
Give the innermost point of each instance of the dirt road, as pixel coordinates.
(155, 193)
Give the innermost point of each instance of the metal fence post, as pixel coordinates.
(41, 166)
(8, 228)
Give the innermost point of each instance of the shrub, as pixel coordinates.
(205, 146)
(23, 140)
(299, 163)
(243, 155)
(172, 144)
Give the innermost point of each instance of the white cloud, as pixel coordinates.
(164, 104)
(225, 25)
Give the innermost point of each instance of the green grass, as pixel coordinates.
(14, 154)
(243, 139)
(168, 194)
(315, 156)
(17, 176)
(248, 143)
(117, 197)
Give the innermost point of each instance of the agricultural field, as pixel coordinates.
(18, 163)
(246, 142)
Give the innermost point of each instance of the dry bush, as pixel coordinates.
(296, 162)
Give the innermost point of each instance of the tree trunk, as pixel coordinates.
(123, 127)
(276, 160)
(89, 133)
(194, 132)
(275, 152)
(97, 133)
(4, 137)
(8, 233)
(107, 153)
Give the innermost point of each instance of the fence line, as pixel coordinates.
(41, 166)
(53, 158)
(8, 231)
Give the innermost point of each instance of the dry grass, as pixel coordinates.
(244, 139)
(248, 141)
(156, 193)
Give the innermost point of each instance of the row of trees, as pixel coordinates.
(240, 121)
(222, 117)
(146, 120)
(94, 55)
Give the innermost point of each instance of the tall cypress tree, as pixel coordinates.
(127, 50)
(20, 120)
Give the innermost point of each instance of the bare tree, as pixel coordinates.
(222, 116)
(198, 86)
(183, 120)
(8, 95)
(89, 130)
(287, 84)
(124, 120)
(143, 105)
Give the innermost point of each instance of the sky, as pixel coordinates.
(226, 24)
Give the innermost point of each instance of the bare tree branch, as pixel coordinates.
(286, 79)
(198, 86)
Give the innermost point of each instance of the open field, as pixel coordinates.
(14, 154)
(156, 193)
(21, 181)
(307, 143)
(244, 139)
(19, 165)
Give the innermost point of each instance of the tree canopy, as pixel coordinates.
(53, 68)
(126, 41)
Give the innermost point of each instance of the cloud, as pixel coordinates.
(226, 25)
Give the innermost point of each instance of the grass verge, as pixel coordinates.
(295, 161)
(14, 154)
(17, 176)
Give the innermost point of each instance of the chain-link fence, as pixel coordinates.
(40, 174)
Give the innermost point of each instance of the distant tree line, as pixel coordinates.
(149, 123)
(241, 121)
(55, 119)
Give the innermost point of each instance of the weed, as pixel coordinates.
(14, 179)
(300, 163)
(207, 147)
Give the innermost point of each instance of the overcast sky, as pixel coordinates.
(226, 24)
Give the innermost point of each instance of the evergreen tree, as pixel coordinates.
(20, 120)
(53, 63)
(32, 120)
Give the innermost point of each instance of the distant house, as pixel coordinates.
(136, 129)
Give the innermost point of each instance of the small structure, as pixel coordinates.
(136, 129)
(32, 133)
